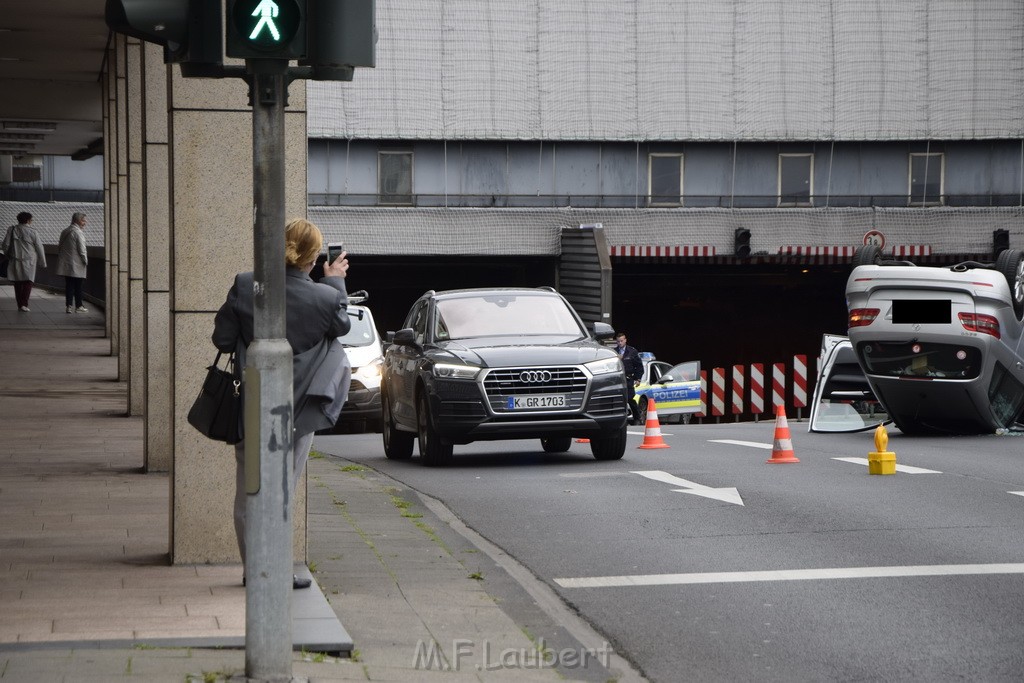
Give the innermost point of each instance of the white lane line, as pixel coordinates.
(899, 468)
(1016, 493)
(790, 575)
(751, 444)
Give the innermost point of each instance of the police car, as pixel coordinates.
(675, 389)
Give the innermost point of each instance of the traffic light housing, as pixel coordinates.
(164, 22)
(1000, 241)
(741, 243)
(190, 31)
(266, 29)
(341, 36)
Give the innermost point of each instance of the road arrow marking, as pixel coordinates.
(899, 468)
(751, 444)
(1016, 493)
(726, 494)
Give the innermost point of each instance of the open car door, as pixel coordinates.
(843, 400)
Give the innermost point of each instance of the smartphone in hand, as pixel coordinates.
(334, 250)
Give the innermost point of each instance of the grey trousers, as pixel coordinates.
(303, 444)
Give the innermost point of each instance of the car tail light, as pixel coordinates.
(859, 317)
(978, 322)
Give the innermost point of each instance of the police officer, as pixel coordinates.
(634, 372)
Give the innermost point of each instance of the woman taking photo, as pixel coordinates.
(317, 314)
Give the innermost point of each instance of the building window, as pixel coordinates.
(796, 179)
(665, 179)
(394, 177)
(927, 173)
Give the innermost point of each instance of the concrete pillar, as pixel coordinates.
(135, 225)
(211, 219)
(158, 380)
(120, 306)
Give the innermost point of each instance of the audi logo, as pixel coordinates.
(532, 376)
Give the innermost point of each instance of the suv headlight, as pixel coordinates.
(453, 371)
(603, 367)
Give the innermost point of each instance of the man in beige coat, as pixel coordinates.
(71, 262)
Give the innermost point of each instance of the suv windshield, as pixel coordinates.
(361, 333)
(503, 315)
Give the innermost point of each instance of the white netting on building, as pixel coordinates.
(462, 232)
(50, 218)
(684, 70)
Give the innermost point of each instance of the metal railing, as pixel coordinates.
(606, 201)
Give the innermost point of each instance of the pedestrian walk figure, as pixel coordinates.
(267, 9)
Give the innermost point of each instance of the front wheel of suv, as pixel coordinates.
(433, 451)
(397, 444)
(609, 447)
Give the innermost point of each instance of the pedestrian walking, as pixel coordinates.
(634, 372)
(24, 248)
(72, 260)
(317, 314)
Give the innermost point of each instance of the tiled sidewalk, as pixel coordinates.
(87, 593)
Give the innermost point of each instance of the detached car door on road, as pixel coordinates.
(503, 363)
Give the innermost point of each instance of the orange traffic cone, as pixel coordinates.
(782, 450)
(652, 430)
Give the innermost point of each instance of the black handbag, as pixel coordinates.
(4, 260)
(216, 410)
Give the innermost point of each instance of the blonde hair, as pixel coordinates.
(302, 242)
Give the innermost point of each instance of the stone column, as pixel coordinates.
(211, 219)
(134, 264)
(158, 379)
(119, 306)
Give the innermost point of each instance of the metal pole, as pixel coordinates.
(268, 387)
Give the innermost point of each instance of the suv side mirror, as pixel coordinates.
(405, 337)
(602, 330)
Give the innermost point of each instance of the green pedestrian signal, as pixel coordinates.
(267, 29)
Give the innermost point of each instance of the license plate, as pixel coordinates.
(546, 401)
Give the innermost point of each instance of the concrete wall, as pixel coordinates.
(614, 174)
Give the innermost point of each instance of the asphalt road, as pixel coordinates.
(659, 571)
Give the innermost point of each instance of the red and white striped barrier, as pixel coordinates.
(800, 381)
(703, 394)
(737, 389)
(718, 392)
(757, 388)
(667, 251)
(804, 250)
(902, 250)
(778, 384)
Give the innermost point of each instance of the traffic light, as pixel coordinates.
(1000, 241)
(741, 243)
(164, 22)
(342, 35)
(189, 30)
(266, 29)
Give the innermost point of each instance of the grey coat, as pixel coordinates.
(317, 314)
(72, 257)
(24, 248)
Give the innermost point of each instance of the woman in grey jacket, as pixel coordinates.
(24, 249)
(316, 315)
(72, 259)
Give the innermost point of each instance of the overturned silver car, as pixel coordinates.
(939, 347)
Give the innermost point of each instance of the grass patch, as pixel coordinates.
(353, 468)
(477, 576)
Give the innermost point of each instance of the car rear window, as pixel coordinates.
(503, 315)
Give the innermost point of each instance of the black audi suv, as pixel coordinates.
(505, 363)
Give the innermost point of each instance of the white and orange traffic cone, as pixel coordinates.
(652, 430)
(782, 449)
